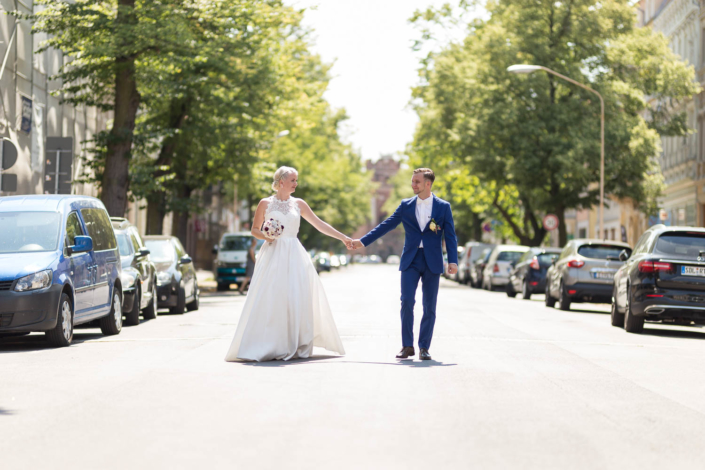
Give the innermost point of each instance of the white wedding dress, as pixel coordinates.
(286, 312)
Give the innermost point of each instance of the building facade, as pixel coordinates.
(393, 243)
(50, 138)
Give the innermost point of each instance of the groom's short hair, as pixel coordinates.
(427, 174)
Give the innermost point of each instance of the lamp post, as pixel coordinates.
(534, 68)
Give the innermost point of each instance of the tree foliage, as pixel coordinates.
(539, 134)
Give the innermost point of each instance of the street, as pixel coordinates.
(513, 384)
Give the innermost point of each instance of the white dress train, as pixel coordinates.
(286, 312)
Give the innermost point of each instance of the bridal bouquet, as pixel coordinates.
(273, 229)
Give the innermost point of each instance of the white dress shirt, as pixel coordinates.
(423, 212)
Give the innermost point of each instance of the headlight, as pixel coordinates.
(128, 277)
(163, 278)
(34, 281)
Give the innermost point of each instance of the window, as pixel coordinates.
(73, 228)
(682, 245)
(135, 243)
(582, 233)
(161, 251)
(601, 251)
(99, 229)
(510, 256)
(22, 232)
(612, 234)
(124, 245)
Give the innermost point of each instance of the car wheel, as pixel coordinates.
(511, 293)
(563, 300)
(223, 287)
(525, 292)
(550, 301)
(132, 317)
(180, 303)
(112, 324)
(193, 305)
(617, 318)
(150, 313)
(62, 334)
(632, 324)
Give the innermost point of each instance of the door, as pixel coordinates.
(81, 270)
(141, 263)
(105, 255)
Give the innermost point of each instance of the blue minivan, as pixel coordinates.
(59, 266)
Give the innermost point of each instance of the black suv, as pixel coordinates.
(139, 275)
(663, 279)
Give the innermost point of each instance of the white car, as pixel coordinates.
(501, 262)
(393, 259)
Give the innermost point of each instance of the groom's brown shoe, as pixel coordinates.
(424, 355)
(406, 353)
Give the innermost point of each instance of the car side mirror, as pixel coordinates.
(82, 243)
(554, 261)
(143, 252)
(215, 249)
(186, 259)
(623, 255)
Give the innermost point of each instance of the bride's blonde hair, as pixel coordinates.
(280, 174)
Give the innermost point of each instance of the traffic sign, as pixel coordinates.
(550, 222)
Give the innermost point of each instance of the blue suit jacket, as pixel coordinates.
(432, 242)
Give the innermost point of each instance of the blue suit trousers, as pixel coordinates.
(418, 270)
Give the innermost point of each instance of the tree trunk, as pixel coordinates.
(115, 181)
(562, 231)
(476, 227)
(180, 226)
(156, 211)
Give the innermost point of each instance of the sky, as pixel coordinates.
(370, 43)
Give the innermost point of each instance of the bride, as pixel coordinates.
(286, 312)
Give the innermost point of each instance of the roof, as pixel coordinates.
(597, 241)
(43, 202)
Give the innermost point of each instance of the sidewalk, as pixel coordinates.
(206, 281)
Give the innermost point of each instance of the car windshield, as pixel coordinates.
(124, 244)
(510, 256)
(160, 250)
(238, 243)
(545, 259)
(602, 251)
(681, 245)
(22, 232)
(486, 255)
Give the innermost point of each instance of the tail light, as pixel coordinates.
(535, 264)
(647, 266)
(495, 269)
(576, 263)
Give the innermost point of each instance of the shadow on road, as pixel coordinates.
(39, 342)
(668, 333)
(318, 359)
(582, 310)
(3, 411)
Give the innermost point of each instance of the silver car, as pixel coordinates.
(502, 259)
(584, 272)
(473, 251)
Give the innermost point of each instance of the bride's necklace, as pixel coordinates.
(282, 200)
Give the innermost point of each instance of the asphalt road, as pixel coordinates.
(513, 384)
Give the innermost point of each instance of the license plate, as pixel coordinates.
(603, 275)
(692, 271)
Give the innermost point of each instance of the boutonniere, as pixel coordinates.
(433, 226)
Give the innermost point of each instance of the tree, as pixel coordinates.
(105, 40)
(539, 134)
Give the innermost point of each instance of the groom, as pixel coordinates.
(427, 220)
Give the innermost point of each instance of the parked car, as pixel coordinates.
(177, 286)
(529, 275)
(335, 262)
(584, 272)
(231, 258)
(393, 259)
(139, 275)
(478, 268)
(456, 277)
(663, 279)
(344, 260)
(500, 263)
(473, 251)
(322, 261)
(59, 266)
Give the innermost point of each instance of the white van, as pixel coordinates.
(231, 259)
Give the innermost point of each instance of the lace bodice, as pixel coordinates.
(287, 213)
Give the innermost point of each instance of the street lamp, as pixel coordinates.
(534, 68)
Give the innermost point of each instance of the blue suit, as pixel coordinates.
(420, 264)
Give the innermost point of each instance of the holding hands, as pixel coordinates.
(351, 244)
